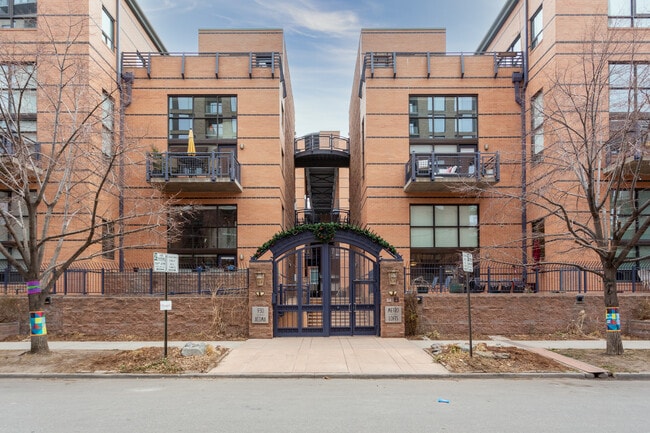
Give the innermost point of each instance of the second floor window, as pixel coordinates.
(212, 119)
(443, 117)
(17, 14)
(108, 29)
(18, 99)
(629, 13)
(444, 226)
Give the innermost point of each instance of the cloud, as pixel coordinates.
(305, 17)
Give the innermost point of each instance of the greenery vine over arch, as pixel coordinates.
(325, 232)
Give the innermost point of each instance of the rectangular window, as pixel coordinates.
(17, 14)
(444, 226)
(108, 120)
(624, 205)
(213, 119)
(539, 250)
(108, 239)
(537, 124)
(629, 13)
(13, 213)
(629, 106)
(18, 100)
(516, 45)
(108, 29)
(443, 117)
(536, 27)
(206, 233)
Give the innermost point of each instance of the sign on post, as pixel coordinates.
(468, 262)
(163, 262)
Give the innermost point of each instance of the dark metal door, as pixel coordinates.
(323, 290)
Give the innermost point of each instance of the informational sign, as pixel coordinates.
(165, 305)
(260, 315)
(468, 262)
(393, 314)
(164, 262)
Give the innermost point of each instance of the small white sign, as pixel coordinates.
(260, 314)
(468, 262)
(165, 305)
(393, 314)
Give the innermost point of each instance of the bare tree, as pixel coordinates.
(582, 184)
(62, 195)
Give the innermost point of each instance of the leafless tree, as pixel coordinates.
(63, 198)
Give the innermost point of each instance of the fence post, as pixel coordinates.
(537, 279)
(7, 276)
(635, 272)
(151, 281)
(198, 274)
(84, 274)
(65, 282)
(103, 280)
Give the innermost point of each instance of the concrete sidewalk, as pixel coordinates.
(349, 357)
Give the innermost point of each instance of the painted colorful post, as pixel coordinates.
(613, 320)
(36, 318)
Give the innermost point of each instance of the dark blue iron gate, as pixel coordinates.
(325, 289)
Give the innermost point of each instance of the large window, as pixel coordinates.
(624, 205)
(629, 87)
(108, 29)
(17, 14)
(444, 226)
(212, 118)
(536, 28)
(443, 117)
(18, 99)
(108, 239)
(537, 124)
(208, 237)
(629, 13)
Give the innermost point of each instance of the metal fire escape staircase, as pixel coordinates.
(321, 155)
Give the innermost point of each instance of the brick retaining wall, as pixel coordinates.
(224, 317)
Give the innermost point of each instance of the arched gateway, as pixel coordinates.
(328, 281)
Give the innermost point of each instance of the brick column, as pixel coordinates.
(259, 299)
(392, 298)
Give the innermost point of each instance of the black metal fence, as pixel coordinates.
(140, 282)
(495, 278)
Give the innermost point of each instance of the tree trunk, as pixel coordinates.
(38, 328)
(613, 318)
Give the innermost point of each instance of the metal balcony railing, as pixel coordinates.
(313, 216)
(210, 165)
(480, 166)
(314, 142)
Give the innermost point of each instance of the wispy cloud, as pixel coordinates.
(306, 17)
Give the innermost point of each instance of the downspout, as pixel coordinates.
(120, 145)
(520, 96)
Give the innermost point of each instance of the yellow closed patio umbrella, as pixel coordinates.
(191, 149)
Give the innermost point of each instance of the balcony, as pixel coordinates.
(451, 171)
(313, 216)
(322, 150)
(25, 157)
(197, 172)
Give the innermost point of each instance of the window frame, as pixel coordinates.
(11, 18)
(202, 234)
(20, 97)
(536, 28)
(108, 124)
(207, 116)
(450, 116)
(108, 29)
(629, 17)
(537, 125)
(437, 229)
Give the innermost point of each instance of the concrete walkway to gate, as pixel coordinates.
(336, 356)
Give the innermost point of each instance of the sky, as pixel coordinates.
(321, 37)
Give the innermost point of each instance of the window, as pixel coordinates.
(629, 13)
(444, 226)
(516, 45)
(443, 117)
(536, 27)
(629, 87)
(212, 119)
(629, 99)
(13, 213)
(108, 119)
(623, 205)
(537, 123)
(208, 236)
(108, 29)
(18, 14)
(108, 239)
(18, 99)
(539, 250)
